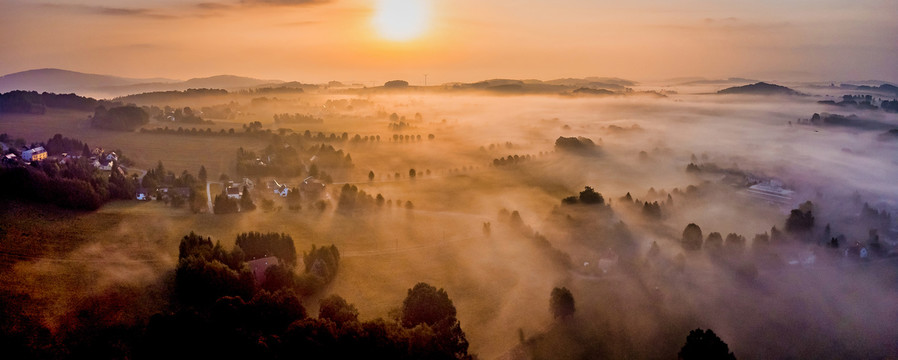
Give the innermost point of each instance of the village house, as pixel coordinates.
(312, 186)
(10, 159)
(234, 192)
(856, 251)
(36, 154)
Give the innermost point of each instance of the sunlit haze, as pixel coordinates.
(448, 179)
(459, 40)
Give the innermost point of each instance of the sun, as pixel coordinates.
(401, 20)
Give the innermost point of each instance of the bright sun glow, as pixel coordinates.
(401, 20)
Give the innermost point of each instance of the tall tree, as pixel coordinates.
(246, 201)
(705, 345)
(692, 237)
(561, 302)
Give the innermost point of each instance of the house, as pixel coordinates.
(112, 156)
(311, 186)
(248, 183)
(10, 159)
(105, 165)
(771, 191)
(143, 194)
(258, 267)
(856, 251)
(36, 154)
(234, 192)
(282, 191)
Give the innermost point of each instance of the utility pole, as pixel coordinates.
(425, 80)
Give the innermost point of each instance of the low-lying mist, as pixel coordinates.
(498, 213)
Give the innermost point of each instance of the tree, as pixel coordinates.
(589, 196)
(246, 202)
(692, 237)
(202, 174)
(799, 221)
(424, 304)
(336, 309)
(412, 173)
(396, 84)
(714, 241)
(704, 345)
(371, 175)
(561, 302)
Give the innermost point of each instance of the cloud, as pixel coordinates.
(213, 6)
(285, 2)
(111, 11)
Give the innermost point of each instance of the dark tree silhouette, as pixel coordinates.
(336, 309)
(561, 302)
(704, 345)
(246, 201)
(590, 196)
(692, 237)
(424, 304)
(714, 241)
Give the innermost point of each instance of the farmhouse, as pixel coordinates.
(36, 154)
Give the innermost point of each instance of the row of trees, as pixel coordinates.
(121, 118)
(511, 160)
(32, 102)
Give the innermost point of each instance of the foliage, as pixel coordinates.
(256, 245)
(32, 102)
(561, 302)
(224, 205)
(246, 201)
(692, 237)
(122, 118)
(703, 345)
(575, 144)
(336, 309)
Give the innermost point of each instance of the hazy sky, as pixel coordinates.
(464, 40)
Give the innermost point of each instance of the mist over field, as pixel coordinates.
(661, 210)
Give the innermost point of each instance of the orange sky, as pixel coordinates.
(466, 40)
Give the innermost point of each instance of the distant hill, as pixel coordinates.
(65, 81)
(760, 88)
(884, 88)
(225, 82)
(731, 80)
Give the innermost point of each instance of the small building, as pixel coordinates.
(234, 192)
(10, 159)
(143, 194)
(282, 191)
(856, 251)
(103, 164)
(259, 266)
(36, 154)
(311, 186)
(771, 191)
